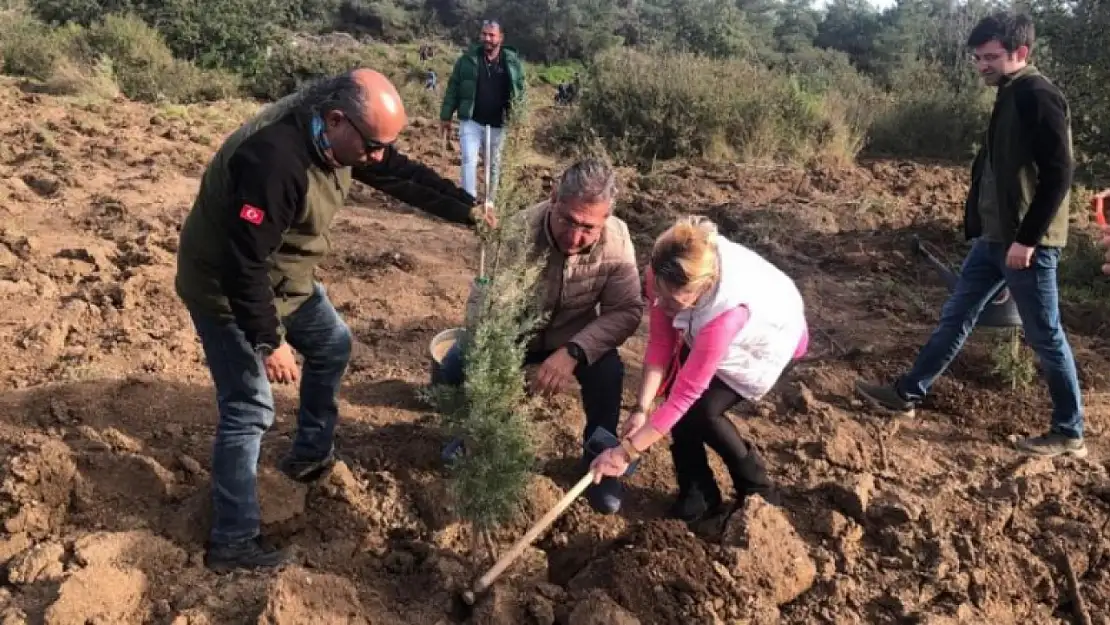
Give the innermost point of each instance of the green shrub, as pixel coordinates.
(72, 60)
(645, 107)
(33, 49)
(304, 60)
(233, 35)
(294, 64)
(556, 74)
(146, 70)
(926, 117)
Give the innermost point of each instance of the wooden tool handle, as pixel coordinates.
(504, 561)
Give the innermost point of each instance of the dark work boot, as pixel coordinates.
(306, 471)
(885, 397)
(694, 504)
(698, 494)
(246, 554)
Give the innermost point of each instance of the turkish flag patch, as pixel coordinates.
(251, 214)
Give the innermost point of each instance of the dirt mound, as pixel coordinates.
(663, 573)
(300, 596)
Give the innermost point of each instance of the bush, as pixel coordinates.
(301, 61)
(234, 35)
(646, 107)
(145, 68)
(307, 59)
(556, 74)
(33, 49)
(72, 60)
(926, 117)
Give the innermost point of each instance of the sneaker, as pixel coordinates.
(885, 397)
(605, 498)
(246, 554)
(306, 471)
(1053, 444)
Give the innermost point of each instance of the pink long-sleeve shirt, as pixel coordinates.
(710, 346)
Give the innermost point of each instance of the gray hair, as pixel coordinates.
(588, 180)
(340, 92)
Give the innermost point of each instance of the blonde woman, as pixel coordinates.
(724, 324)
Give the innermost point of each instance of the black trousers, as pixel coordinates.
(706, 425)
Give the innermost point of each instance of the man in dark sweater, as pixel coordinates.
(246, 273)
(1017, 213)
(484, 84)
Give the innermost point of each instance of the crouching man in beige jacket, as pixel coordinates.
(592, 299)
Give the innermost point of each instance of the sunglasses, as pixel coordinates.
(493, 23)
(370, 145)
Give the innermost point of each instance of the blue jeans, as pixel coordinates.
(602, 383)
(246, 405)
(1035, 293)
(472, 140)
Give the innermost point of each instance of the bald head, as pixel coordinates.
(383, 112)
(362, 113)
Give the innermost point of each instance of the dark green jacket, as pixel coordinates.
(260, 223)
(463, 83)
(1029, 144)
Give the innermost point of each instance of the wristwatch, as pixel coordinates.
(576, 352)
(264, 350)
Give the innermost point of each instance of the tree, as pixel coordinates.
(491, 412)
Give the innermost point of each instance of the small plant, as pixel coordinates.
(1013, 362)
(491, 412)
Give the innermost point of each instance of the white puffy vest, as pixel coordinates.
(765, 345)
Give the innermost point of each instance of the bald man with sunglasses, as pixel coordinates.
(246, 273)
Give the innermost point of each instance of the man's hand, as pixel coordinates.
(281, 367)
(490, 216)
(1019, 256)
(555, 373)
(636, 420)
(445, 125)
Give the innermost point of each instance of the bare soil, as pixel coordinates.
(107, 415)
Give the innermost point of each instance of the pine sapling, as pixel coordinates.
(491, 412)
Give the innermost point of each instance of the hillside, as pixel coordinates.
(107, 414)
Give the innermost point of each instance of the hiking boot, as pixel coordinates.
(605, 498)
(306, 471)
(246, 554)
(885, 397)
(693, 505)
(1053, 444)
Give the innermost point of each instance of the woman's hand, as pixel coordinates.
(612, 462)
(636, 420)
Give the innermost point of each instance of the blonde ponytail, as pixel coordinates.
(685, 255)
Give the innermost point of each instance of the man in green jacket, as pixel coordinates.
(486, 82)
(1017, 212)
(246, 266)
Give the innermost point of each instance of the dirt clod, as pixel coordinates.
(301, 596)
(765, 554)
(599, 609)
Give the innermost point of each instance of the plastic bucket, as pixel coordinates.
(438, 348)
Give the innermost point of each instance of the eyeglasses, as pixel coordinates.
(368, 144)
(569, 222)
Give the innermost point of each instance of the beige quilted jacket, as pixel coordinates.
(593, 298)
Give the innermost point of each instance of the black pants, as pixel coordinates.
(601, 384)
(706, 424)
